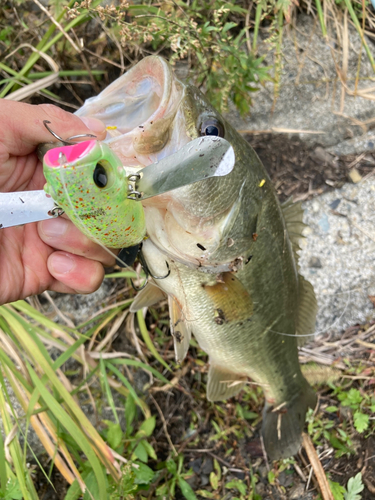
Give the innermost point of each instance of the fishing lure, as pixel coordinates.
(89, 182)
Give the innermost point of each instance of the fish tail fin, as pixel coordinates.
(283, 424)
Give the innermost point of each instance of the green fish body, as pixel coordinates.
(230, 247)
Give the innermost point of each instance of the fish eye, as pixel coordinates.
(213, 127)
(100, 176)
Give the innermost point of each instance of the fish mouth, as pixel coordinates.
(137, 109)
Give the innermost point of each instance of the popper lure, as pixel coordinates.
(89, 182)
(102, 197)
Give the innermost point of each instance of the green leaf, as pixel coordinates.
(150, 450)
(250, 415)
(331, 409)
(74, 491)
(271, 477)
(171, 467)
(147, 427)
(361, 421)
(338, 445)
(354, 487)
(13, 491)
(114, 435)
(141, 452)
(4, 33)
(228, 26)
(143, 474)
(130, 412)
(238, 485)
(92, 485)
(337, 490)
(217, 468)
(205, 494)
(352, 398)
(214, 480)
(186, 489)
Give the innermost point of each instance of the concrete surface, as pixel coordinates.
(338, 254)
(310, 90)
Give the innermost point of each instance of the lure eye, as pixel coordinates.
(212, 127)
(100, 176)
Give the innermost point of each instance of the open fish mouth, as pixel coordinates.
(138, 110)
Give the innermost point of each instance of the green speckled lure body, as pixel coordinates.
(89, 182)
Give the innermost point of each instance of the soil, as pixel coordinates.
(302, 172)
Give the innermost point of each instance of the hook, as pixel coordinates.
(68, 141)
(148, 272)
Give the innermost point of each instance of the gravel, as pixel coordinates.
(337, 255)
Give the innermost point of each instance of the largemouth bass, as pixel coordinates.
(230, 247)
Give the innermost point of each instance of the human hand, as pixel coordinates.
(52, 254)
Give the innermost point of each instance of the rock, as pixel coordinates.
(80, 308)
(357, 145)
(285, 479)
(354, 175)
(338, 254)
(310, 92)
(297, 492)
(315, 262)
(208, 466)
(196, 465)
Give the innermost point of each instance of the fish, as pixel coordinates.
(231, 250)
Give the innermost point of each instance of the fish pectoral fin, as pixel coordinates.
(147, 297)
(180, 329)
(293, 216)
(307, 311)
(222, 384)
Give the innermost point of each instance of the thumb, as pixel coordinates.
(22, 128)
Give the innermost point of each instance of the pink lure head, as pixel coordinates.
(71, 153)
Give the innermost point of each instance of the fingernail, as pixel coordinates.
(53, 228)
(61, 263)
(93, 124)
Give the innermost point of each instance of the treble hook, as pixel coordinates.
(69, 140)
(148, 272)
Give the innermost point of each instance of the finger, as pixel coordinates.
(62, 234)
(74, 273)
(22, 127)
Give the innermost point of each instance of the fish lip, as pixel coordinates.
(150, 67)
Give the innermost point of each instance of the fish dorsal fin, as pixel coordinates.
(307, 310)
(293, 216)
(180, 329)
(222, 384)
(147, 297)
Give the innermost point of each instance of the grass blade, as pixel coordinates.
(147, 339)
(67, 422)
(355, 20)
(321, 18)
(31, 347)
